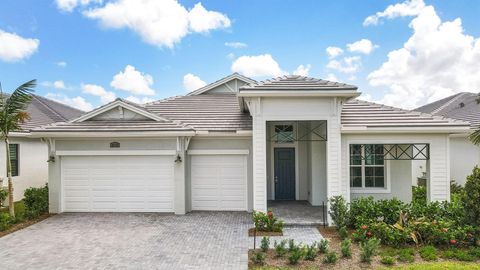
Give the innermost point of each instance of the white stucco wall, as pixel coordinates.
(33, 166)
(464, 157)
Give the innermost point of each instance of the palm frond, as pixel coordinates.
(475, 137)
(20, 98)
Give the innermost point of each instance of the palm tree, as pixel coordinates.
(475, 137)
(12, 115)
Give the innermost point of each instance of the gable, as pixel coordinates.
(230, 87)
(119, 113)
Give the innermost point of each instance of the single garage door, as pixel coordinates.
(117, 183)
(219, 182)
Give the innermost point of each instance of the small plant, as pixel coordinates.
(280, 248)
(331, 257)
(5, 221)
(267, 222)
(368, 249)
(3, 196)
(311, 252)
(343, 233)
(339, 211)
(406, 255)
(258, 257)
(461, 255)
(475, 252)
(265, 244)
(36, 201)
(296, 255)
(292, 246)
(428, 253)
(387, 260)
(323, 246)
(345, 248)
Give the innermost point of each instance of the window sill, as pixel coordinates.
(369, 190)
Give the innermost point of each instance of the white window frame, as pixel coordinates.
(363, 189)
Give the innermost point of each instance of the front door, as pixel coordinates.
(284, 173)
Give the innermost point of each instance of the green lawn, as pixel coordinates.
(440, 265)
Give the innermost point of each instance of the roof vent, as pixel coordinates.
(462, 104)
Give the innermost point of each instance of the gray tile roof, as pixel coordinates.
(113, 126)
(215, 112)
(297, 82)
(362, 114)
(44, 111)
(462, 106)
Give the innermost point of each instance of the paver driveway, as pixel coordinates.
(201, 240)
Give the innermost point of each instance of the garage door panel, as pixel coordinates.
(218, 182)
(118, 183)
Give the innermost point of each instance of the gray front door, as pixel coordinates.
(284, 173)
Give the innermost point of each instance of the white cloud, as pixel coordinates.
(76, 102)
(97, 90)
(160, 23)
(257, 66)
(62, 64)
(231, 56)
(192, 82)
(59, 85)
(70, 5)
(407, 8)
(133, 81)
(438, 60)
(333, 52)
(347, 65)
(364, 46)
(14, 48)
(236, 45)
(139, 100)
(366, 97)
(302, 70)
(331, 77)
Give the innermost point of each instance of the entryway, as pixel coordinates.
(299, 213)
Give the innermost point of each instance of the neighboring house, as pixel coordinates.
(464, 155)
(237, 143)
(29, 155)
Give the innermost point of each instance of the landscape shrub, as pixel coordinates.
(258, 257)
(280, 248)
(363, 211)
(292, 246)
(389, 210)
(323, 246)
(343, 233)
(331, 257)
(362, 234)
(311, 252)
(295, 255)
(267, 222)
(265, 244)
(387, 260)
(458, 254)
(339, 211)
(368, 249)
(5, 221)
(3, 196)
(391, 235)
(470, 200)
(419, 195)
(36, 201)
(406, 255)
(428, 253)
(345, 248)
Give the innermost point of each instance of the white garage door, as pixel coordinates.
(118, 184)
(219, 182)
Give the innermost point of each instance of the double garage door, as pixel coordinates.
(146, 183)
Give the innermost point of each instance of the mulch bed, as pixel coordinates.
(251, 232)
(24, 224)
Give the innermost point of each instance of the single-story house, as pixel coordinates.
(464, 155)
(29, 155)
(237, 143)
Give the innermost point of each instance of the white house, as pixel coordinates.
(29, 155)
(237, 143)
(464, 155)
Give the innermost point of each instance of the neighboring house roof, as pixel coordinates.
(462, 106)
(215, 112)
(44, 111)
(297, 82)
(361, 115)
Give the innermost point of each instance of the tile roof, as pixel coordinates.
(113, 126)
(462, 106)
(44, 111)
(297, 82)
(215, 112)
(220, 82)
(362, 114)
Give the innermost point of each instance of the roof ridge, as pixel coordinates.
(455, 97)
(49, 108)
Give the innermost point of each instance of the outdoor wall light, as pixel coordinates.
(51, 158)
(178, 159)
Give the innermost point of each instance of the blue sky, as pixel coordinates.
(87, 52)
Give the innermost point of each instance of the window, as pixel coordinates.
(284, 134)
(367, 166)
(14, 158)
